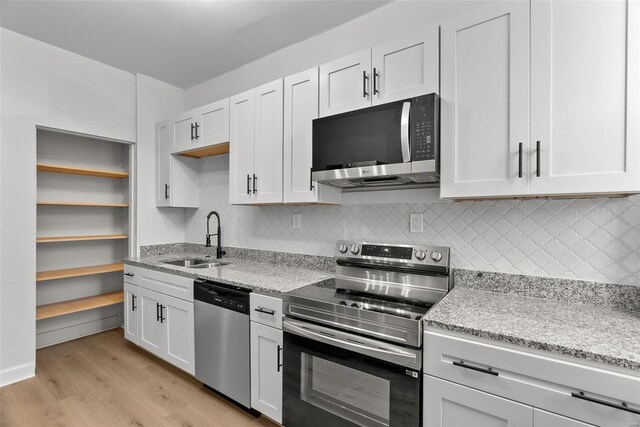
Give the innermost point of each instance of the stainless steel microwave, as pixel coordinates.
(390, 144)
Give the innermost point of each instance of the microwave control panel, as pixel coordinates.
(424, 127)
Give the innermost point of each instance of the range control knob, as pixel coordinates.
(420, 254)
(342, 249)
(436, 256)
(355, 249)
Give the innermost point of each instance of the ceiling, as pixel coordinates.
(180, 42)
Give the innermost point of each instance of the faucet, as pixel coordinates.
(219, 251)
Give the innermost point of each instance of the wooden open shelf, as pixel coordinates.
(85, 204)
(72, 170)
(215, 150)
(77, 305)
(55, 239)
(79, 271)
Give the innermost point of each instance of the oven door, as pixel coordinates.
(333, 378)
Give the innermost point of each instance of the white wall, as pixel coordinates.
(47, 86)
(397, 20)
(156, 101)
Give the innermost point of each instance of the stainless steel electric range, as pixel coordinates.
(353, 345)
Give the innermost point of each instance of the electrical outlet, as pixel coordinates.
(297, 220)
(415, 223)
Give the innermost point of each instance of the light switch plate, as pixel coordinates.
(416, 223)
(297, 220)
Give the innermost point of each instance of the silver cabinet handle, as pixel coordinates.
(364, 84)
(475, 368)
(404, 132)
(622, 405)
(538, 159)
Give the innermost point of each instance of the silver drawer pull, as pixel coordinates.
(265, 311)
(475, 368)
(622, 405)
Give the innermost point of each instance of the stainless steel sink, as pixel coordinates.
(196, 263)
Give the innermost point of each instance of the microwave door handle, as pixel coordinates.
(404, 132)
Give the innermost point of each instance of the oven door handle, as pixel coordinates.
(392, 354)
(404, 132)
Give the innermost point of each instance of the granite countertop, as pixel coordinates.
(599, 333)
(262, 277)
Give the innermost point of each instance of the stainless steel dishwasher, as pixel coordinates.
(223, 339)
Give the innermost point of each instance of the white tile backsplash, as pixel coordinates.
(588, 239)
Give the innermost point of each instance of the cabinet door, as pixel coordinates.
(268, 143)
(266, 370)
(241, 141)
(213, 124)
(447, 404)
(405, 68)
(547, 419)
(152, 331)
(345, 84)
(300, 108)
(585, 96)
(131, 310)
(163, 163)
(183, 127)
(179, 330)
(485, 102)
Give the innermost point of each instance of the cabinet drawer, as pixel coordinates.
(165, 283)
(131, 274)
(537, 380)
(266, 310)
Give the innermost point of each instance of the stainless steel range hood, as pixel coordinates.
(423, 172)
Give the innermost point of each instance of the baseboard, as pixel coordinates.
(17, 373)
(58, 336)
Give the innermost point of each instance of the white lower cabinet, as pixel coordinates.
(447, 404)
(179, 333)
(471, 382)
(160, 323)
(547, 419)
(131, 310)
(266, 355)
(152, 337)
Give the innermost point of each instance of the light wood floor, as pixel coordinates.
(103, 380)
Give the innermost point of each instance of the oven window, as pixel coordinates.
(356, 396)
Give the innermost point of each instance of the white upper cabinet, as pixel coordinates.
(579, 129)
(268, 143)
(183, 131)
(212, 124)
(485, 102)
(585, 96)
(388, 72)
(241, 141)
(202, 127)
(176, 176)
(163, 163)
(255, 162)
(345, 84)
(300, 108)
(405, 68)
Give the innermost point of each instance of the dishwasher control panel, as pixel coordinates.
(230, 297)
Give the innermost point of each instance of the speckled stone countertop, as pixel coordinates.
(262, 277)
(597, 332)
